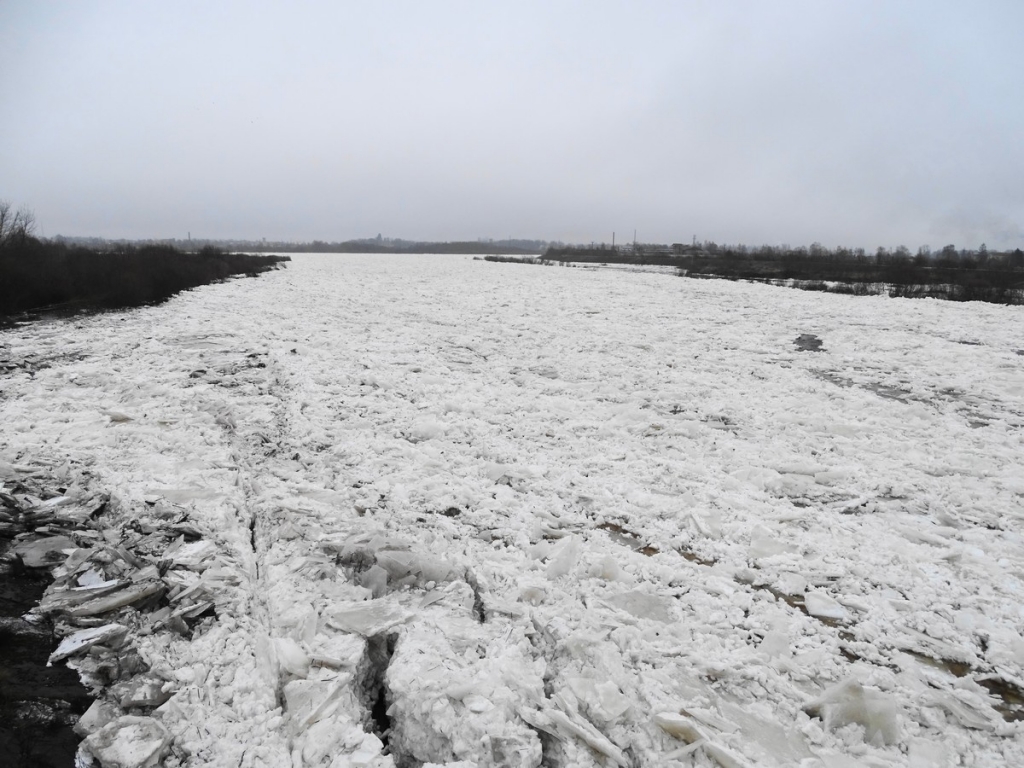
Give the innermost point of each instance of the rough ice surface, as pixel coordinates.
(442, 511)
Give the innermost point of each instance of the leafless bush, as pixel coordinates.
(15, 225)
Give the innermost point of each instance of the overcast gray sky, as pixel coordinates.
(858, 123)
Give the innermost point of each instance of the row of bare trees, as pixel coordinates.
(53, 276)
(15, 225)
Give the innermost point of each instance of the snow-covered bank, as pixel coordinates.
(527, 516)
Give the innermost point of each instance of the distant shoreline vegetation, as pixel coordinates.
(39, 276)
(377, 244)
(951, 274)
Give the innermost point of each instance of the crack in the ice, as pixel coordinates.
(548, 754)
(479, 609)
(375, 694)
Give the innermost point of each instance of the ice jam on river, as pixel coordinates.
(431, 510)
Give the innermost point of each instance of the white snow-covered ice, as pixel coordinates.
(526, 515)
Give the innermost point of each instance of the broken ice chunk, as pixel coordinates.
(791, 584)
(969, 709)
(850, 702)
(85, 639)
(308, 701)
(723, 756)
(292, 658)
(564, 560)
(603, 701)
(368, 617)
(534, 594)
(679, 727)
(606, 568)
(63, 599)
(476, 703)
(323, 740)
(74, 562)
(191, 555)
(422, 568)
(611, 702)
(91, 578)
(562, 725)
(494, 472)
(710, 523)
(821, 605)
(925, 753)
(426, 429)
(374, 579)
(43, 552)
(710, 718)
(129, 742)
(142, 691)
(763, 544)
(547, 371)
(118, 599)
(775, 643)
(644, 605)
(96, 716)
(368, 752)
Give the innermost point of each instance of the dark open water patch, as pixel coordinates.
(808, 342)
(39, 705)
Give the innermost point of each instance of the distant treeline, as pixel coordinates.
(37, 275)
(517, 259)
(368, 245)
(959, 275)
(372, 246)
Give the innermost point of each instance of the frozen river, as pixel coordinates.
(515, 515)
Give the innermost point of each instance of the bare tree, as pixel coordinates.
(15, 225)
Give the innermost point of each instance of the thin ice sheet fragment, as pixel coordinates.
(85, 639)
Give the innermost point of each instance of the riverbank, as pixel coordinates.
(50, 277)
(994, 278)
(39, 704)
